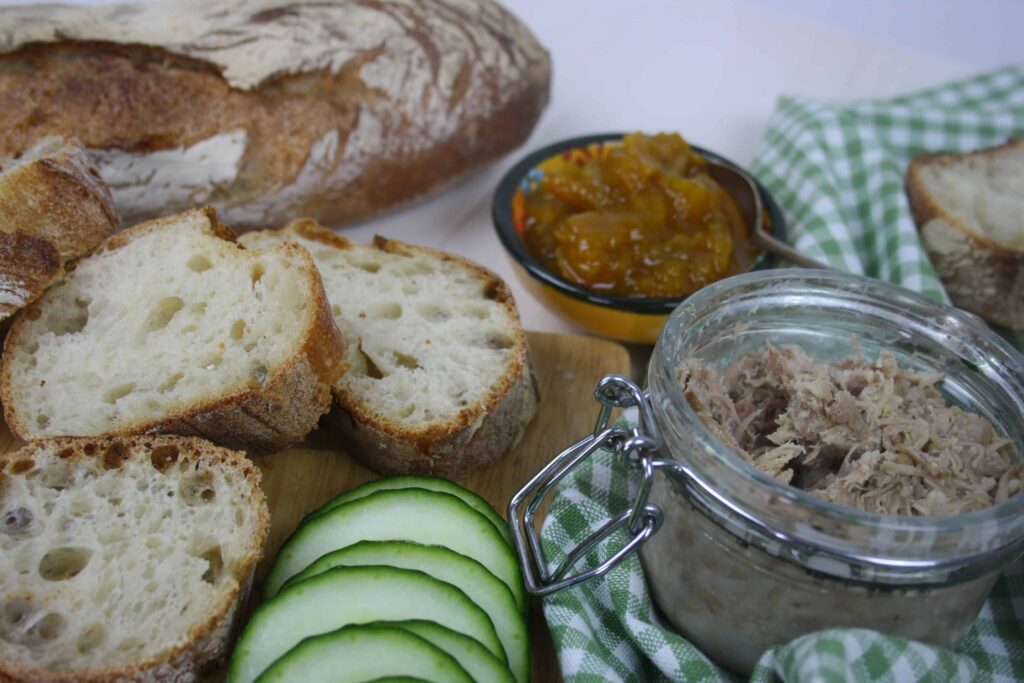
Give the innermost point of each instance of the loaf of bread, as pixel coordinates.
(171, 327)
(440, 379)
(53, 208)
(124, 558)
(270, 109)
(969, 210)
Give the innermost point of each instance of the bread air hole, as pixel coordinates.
(497, 341)
(163, 457)
(406, 361)
(371, 369)
(214, 564)
(368, 266)
(199, 263)
(388, 311)
(474, 310)
(66, 322)
(48, 628)
(259, 375)
(91, 638)
(17, 521)
(210, 360)
(42, 421)
(61, 564)
(237, 329)
(197, 488)
(162, 314)
(113, 394)
(171, 382)
(257, 273)
(433, 313)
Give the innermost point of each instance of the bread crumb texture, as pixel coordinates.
(428, 336)
(985, 191)
(157, 322)
(119, 554)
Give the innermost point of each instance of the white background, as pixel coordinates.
(711, 70)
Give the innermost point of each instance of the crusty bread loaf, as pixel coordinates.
(53, 208)
(440, 379)
(124, 558)
(270, 109)
(969, 209)
(172, 327)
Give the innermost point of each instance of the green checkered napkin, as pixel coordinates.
(837, 172)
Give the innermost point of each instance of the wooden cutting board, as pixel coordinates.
(301, 479)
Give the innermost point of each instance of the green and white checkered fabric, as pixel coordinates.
(608, 630)
(836, 170)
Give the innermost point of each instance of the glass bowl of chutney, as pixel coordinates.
(582, 224)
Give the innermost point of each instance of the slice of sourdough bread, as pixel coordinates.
(53, 208)
(171, 327)
(969, 209)
(440, 380)
(124, 558)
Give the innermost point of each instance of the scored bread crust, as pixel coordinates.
(259, 421)
(478, 435)
(980, 274)
(53, 208)
(207, 642)
(271, 109)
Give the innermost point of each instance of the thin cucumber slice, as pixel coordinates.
(420, 482)
(413, 514)
(471, 655)
(353, 595)
(466, 574)
(355, 654)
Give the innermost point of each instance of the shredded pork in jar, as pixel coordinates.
(868, 435)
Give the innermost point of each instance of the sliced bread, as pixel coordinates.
(969, 209)
(171, 327)
(440, 379)
(124, 558)
(53, 208)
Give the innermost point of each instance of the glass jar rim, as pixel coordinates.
(945, 320)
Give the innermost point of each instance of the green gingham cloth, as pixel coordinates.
(836, 170)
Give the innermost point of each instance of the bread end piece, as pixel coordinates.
(981, 274)
(54, 208)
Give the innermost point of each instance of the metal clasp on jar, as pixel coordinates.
(638, 445)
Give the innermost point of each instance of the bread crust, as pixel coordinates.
(207, 643)
(980, 274)
(431, 93)
(54, 208)
(258, 420)
(478, 435)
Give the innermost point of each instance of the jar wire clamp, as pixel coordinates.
(638, 446)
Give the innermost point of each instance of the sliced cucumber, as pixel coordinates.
(355, 654)
(466, 574)
(353, 595)
(471, 655)
(420, 482)
(412, 514)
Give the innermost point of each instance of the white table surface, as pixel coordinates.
(712, 71)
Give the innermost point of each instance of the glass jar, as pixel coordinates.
(743, 562)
